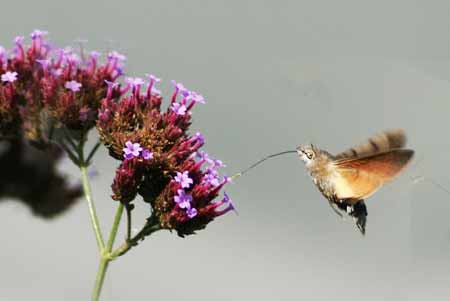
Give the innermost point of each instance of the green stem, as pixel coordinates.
(150, 227)
(92, 212)
(115, 227)
(105, 256)
(104, 262)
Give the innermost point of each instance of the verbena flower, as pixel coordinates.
(181, 187)
(44, 84)
(183, 179)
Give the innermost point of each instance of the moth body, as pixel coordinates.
(354, 175)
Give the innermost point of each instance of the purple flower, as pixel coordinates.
(71, 58)
(146, 154)
(183, 199)
(197, 97)
(202, 155)
(18, 40)
(134, 82)
(199, 138)
(211, 177)
(183, 179)
(9, 77)
(73, 85)
(229, 202)
(131, 150)
(179, 109)
(95, 54)
(44, 63)
(215, 163)
(111, 85)
(38, 34)
(179, 87)
(153, 78)
(227, 179)
(191, 212)
(116, 56)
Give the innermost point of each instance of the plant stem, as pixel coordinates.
(115, 227)
(105, 257)
(150, 227)
(92, 212)
(104, 262)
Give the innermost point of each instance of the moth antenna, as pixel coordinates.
(423, 177)
(261, 161)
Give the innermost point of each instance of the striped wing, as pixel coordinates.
(383, 142)
(359, 178)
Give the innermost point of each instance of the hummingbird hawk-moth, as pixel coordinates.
(350, 177)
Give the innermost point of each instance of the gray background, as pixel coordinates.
(275, 74)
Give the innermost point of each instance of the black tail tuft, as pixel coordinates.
(359, 213)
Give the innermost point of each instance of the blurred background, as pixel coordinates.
(275, 74)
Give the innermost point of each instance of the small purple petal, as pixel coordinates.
(191, 212)
(18, 40)
(229, 202)
(73, 85)
(135, 82)
(153, 78)
(95, 54)
(146, 154)
(38, 34)
(202, 155)
(9, 77)
(179, 109)
(44, 63)
(197, 97)
(132, 150)
(199, 137)
(211, 177)
(183, 179)
(111, 85)
(116, 55)
(183, 199)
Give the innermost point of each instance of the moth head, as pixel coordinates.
(307, 153)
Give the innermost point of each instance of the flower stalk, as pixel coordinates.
(92, 212)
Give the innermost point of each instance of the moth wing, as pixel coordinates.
(380, 143)
(359, 178)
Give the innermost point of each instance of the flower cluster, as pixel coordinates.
(42, 84)
(160, 161)
(50, 94)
